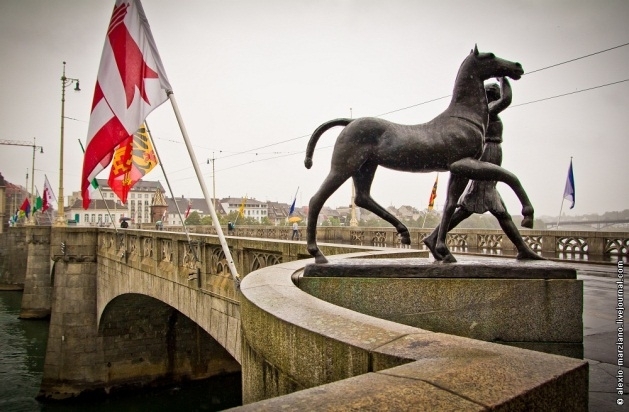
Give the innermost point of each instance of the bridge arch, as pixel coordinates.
(148, 342)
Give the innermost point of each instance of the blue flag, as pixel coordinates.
(292, 207)
(568, 192)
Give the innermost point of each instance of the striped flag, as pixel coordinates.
(433, 194)
(25, 209)
(39, 203)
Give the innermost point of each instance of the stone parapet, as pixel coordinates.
(302, 353)
(532, 304)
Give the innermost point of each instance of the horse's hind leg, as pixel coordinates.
(362, 183)
(456, 186)
(431, 240)
(478, 170)
(331, 183)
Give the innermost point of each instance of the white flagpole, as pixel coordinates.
(197, 169)
(560, 210)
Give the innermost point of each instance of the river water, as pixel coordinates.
(22, 351)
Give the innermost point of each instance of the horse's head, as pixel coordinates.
(487, 65)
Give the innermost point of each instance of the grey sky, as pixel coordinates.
(250, 74)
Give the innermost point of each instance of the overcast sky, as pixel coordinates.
(253, 79)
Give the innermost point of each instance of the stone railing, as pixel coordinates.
(569, 244)
(303, 353)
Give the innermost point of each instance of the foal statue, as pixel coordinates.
(452, 142)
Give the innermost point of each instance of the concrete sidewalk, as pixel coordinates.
(600, 333)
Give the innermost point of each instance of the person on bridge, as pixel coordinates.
(295, 231)
(482, 196)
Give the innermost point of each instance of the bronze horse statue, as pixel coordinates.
(452, 142)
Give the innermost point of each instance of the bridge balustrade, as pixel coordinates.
(561, 244)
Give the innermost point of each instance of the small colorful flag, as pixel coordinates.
(131, 83)
(49, 196)
(568, 192)
(292, 207)
(39, 203)
(188, 209)
(93, 188)
(133, 159)
(241, 209)
(433, 194)
(25, 209)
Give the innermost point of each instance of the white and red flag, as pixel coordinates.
(49, 196)
(188, 209)
(131, 83)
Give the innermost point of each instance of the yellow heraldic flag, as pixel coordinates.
(132, 160)
(241, 209)
(433, 194)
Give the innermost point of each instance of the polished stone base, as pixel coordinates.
(533, 305)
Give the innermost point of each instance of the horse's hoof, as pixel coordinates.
(431, 246)
(449, 258)
(320, 259)
(405, 239)
(527, 222)
(528, 255)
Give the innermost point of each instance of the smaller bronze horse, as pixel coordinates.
(451, 142)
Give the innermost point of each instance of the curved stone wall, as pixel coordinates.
(300, 352)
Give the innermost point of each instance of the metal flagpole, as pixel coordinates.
(197, 169)
(185, 228)
(560, 210)
(562, 200)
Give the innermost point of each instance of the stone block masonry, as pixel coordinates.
(534, 305)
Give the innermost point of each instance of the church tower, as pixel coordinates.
(159, 207)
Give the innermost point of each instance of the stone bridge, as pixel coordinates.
(143, 308)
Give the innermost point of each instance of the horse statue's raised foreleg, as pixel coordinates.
(477, 170)
(362, 184)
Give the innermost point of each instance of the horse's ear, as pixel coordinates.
(475, 50)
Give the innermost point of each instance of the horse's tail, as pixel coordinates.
(317, 134)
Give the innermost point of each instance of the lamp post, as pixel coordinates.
(65, 82)
(31, 220)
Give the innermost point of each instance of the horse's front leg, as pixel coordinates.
(456, 186)
(478, 170)
(362, 183)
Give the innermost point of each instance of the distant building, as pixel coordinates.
(253, 208)
(278, 213)
(12, 198)
(198, 205)
(138, 206)
(100, 213)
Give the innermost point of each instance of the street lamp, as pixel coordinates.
(31, 220)
(65, 82)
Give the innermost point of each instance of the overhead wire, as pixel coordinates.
(567, 94)
(412, 106)
(444, 97)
